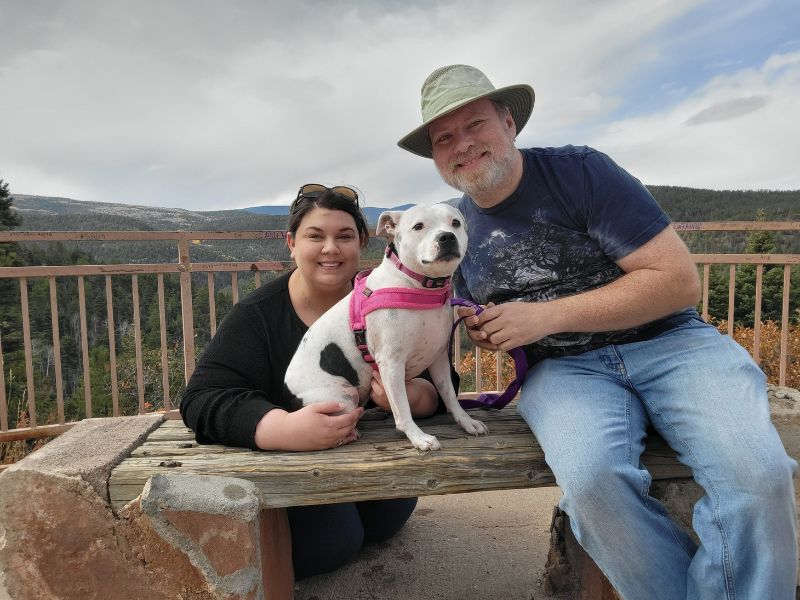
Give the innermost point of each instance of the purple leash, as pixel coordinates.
(486, 400)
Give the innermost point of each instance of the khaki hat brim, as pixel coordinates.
(518, 98)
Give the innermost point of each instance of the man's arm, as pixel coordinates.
(660, 278)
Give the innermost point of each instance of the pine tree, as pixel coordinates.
(758, 242)
(8, 218)
(10, 321)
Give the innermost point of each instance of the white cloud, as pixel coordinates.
(739, 131)
(22, 177)
(210, 105)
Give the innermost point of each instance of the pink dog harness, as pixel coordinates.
(436, 293)
(364, 300)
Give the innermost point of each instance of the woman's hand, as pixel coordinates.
(422, 396)
(313, 427)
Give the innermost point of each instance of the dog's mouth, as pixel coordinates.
(447, 256)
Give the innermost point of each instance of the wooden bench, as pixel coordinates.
(382, 464)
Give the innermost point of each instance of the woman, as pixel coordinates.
(235, 396)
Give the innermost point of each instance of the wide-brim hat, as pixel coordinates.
(451, 87)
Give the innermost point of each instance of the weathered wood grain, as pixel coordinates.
(382, 464)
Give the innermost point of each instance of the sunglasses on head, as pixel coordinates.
(312, 191)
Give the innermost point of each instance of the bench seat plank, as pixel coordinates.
(382, 464)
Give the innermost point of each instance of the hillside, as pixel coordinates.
(370, 212)
(42, 213)
(694, 204)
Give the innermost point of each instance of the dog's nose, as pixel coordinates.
(446, 237)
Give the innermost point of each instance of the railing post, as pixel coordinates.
(478, 370)
(212, 304)
(112, 346)
(3, 402)
(731, 296)
(787, 280)
(26, 337)
(757, 316)
(56, 350)
(87, 372)
(162, 325)
(137, 342)
(187, 315)
(235, 287)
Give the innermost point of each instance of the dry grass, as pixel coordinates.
(11, 452)
(770, 349)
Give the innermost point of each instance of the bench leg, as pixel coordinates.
(277, 573)
(568, 566)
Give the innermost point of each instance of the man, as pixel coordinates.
(577, 263)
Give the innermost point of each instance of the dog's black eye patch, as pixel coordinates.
(332, 360)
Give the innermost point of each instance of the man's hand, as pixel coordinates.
(474, 332)
(506, 326)
(313, 427)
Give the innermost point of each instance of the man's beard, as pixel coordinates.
(498, 166)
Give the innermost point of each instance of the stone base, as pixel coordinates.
(185, 538)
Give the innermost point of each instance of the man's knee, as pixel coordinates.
(769, 475)
(594, 488)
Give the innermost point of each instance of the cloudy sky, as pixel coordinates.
(210, 105)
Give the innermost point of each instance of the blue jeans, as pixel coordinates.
(706, 397)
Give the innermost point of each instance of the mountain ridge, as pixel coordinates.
(48, 213)
(54, 213)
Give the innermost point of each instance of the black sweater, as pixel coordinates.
(239, 377)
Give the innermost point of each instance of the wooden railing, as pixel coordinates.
(184, 268)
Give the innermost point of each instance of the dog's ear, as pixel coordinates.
(387, 223)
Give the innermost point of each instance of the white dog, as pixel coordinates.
(426, 245)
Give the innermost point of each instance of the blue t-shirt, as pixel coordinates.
(574, 213)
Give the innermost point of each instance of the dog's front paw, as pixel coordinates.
(473, 426)
(424, 442)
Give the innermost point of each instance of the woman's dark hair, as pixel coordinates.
(332, 201)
